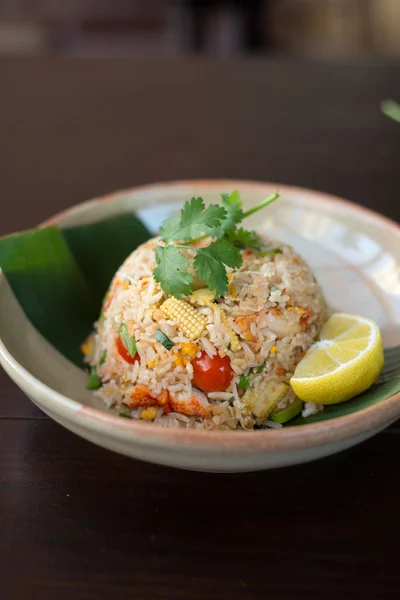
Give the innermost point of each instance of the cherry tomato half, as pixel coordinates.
(123, 352)
(212, 374)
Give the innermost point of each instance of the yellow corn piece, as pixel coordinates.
(190, 349)
(232, 290)
(188, 319)
(150, 364)
(273, 350)
(178, 359)
(149, 413)
(203, 297)
(234, 339)
(87, 346)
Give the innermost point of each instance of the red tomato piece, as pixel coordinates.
(123, 352)
(212, 374)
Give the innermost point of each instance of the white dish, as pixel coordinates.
(355, 255)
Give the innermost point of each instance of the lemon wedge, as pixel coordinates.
(345, 362)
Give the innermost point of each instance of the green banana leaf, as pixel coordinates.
(375, 394)
(60, 276)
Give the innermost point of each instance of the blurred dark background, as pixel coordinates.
(173, 28)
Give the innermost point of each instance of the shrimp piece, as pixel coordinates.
(141, 396)
(245, 326)
(305, 318)
(196, 406)
(279, 325)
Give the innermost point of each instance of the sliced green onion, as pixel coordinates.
(125, 416)
(94, 381)
(163, 339)
(273, 288)
(244, 381)
(129, 341)
(271, 252)
(103, 358)
(259, 369)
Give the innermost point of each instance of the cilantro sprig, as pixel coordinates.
(175, 271)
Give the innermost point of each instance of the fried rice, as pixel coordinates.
(264, 324)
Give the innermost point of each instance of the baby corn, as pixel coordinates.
(189, 320)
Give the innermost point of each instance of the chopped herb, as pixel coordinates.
(242, 238)
(271, 252)
(195, 220)
(209, 264)
(125, 416)
(103, 358)
(234, 214)
(229, 346)
(163, 339)
(94, 381)
(273, 288)
(244, 381)
(259, 369)
(175, 271)
(130, 342)
(171, 272)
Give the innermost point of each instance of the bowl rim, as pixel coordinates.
(289, 438)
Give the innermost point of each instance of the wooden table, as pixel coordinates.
(80, 522)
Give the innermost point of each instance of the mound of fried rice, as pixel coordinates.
(274, 310)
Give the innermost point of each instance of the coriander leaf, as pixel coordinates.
(169, 228)
(212, 271)
(234, 214)
(232, 200)
(209, 264)
(171, 274)
(159, 253)
(195, 220)
(242, 238)
(226, 253)
(244, 381)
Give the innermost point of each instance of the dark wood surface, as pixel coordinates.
(79, 522)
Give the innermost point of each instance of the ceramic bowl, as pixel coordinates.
(355, 255)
